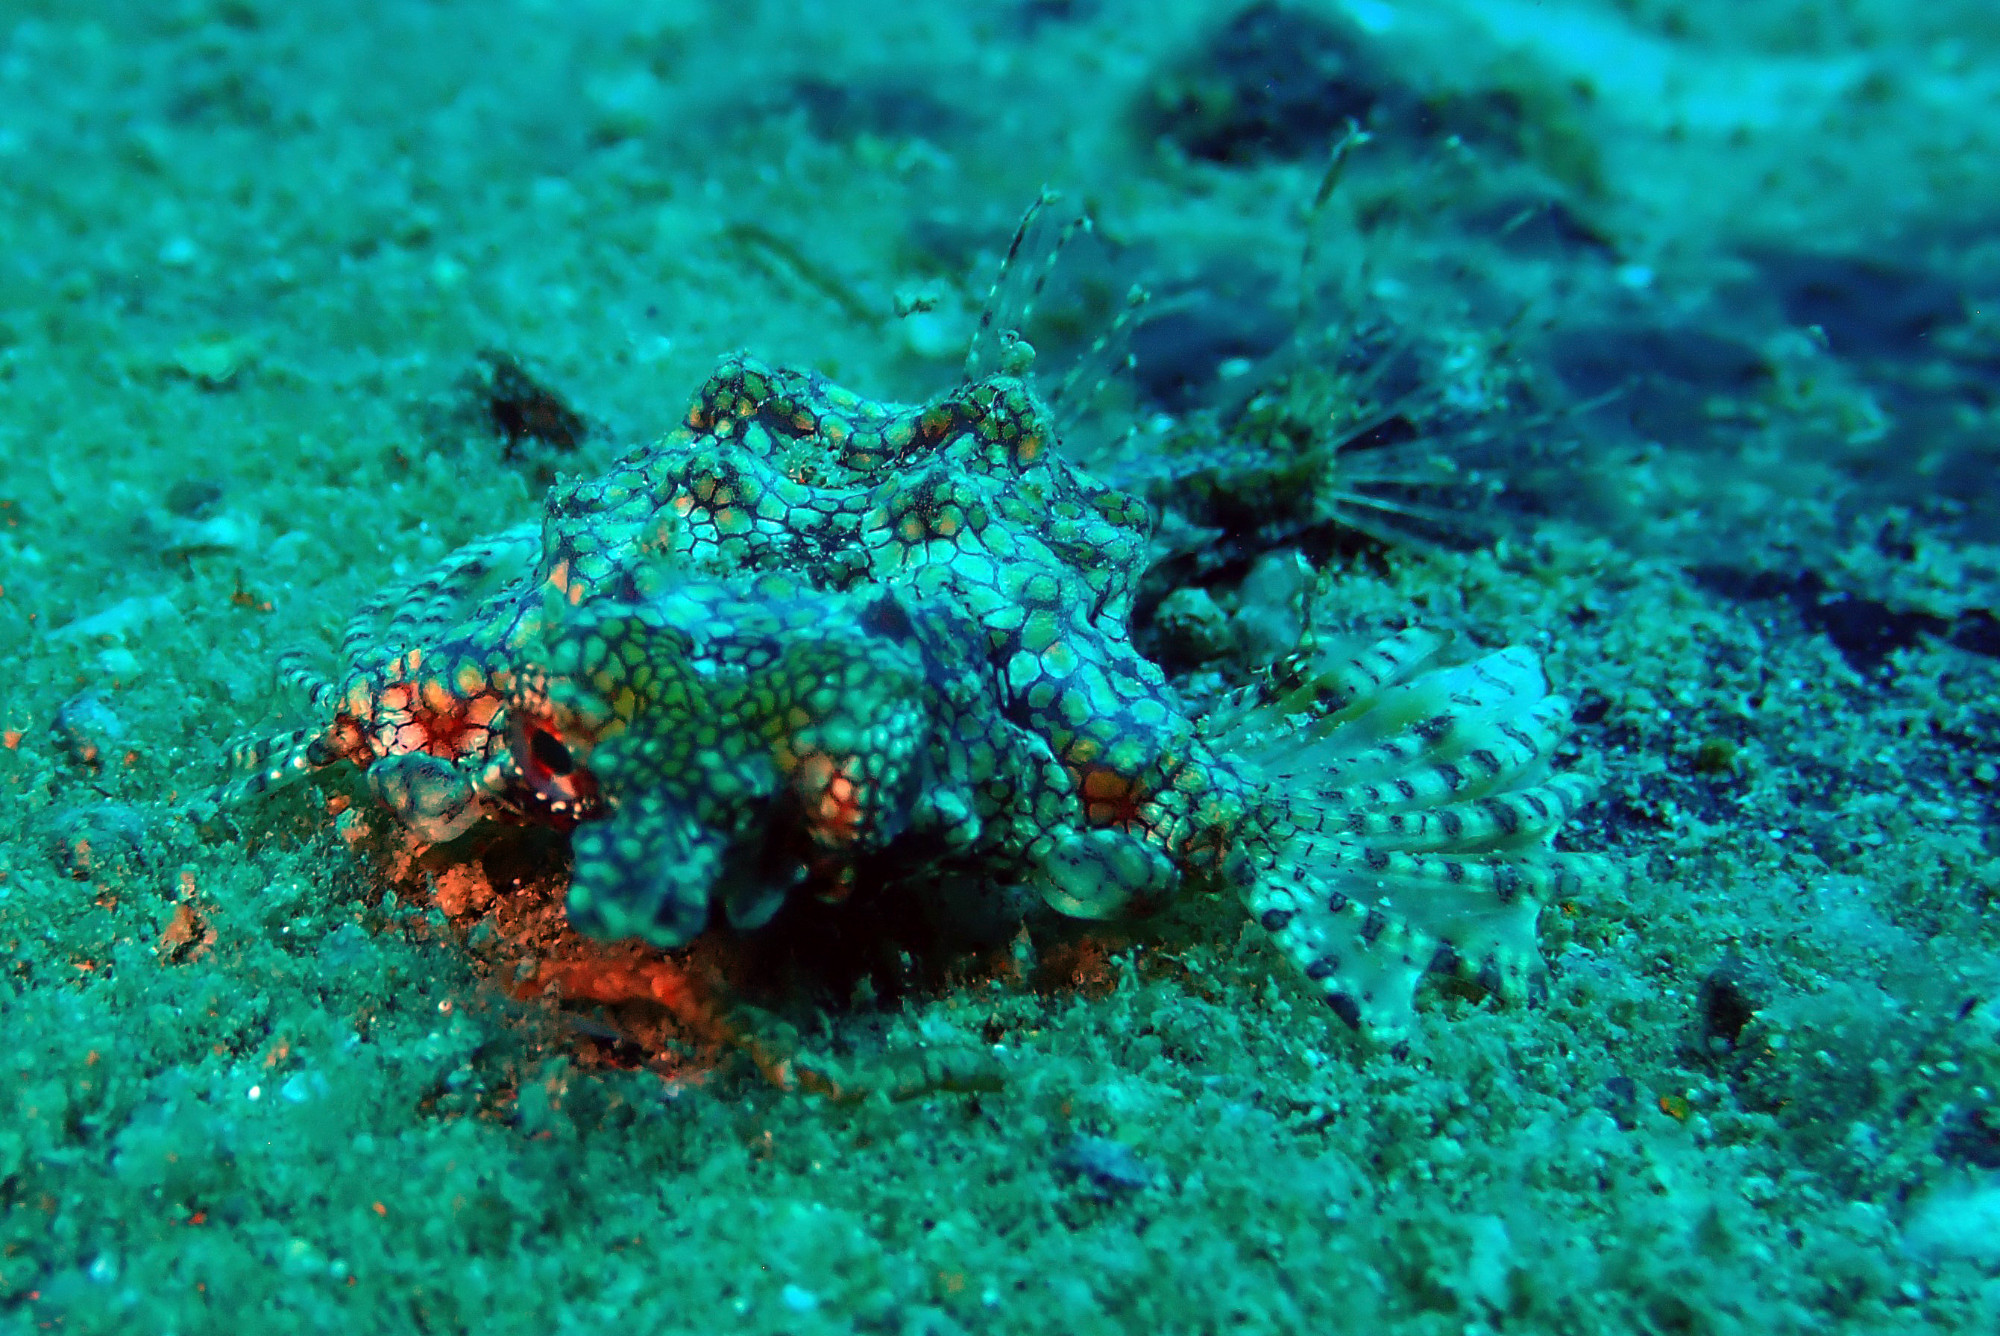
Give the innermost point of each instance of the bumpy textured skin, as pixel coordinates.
(806, 640)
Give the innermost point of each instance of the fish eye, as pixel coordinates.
(548, 752)
(554, 769)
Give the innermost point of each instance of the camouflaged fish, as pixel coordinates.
(807, 641)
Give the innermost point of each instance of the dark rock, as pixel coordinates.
(1272, 82)
(1591, 707)
(1735, 582)
(1867, 631)
(1730, 995)
(1661, 381)
(1970, 1136)
(1620, 1099)
(519, 409)
(1191, 628)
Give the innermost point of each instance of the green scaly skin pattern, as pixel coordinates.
(806, 638)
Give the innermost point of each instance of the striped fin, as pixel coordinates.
(1440, 706)
(1492, 721)
(1332, 687)
(1407, 813)
(1366, 964)
(1483, 909)
(1514, 820)
(437, 600)
(296, 671)
(1313, 691)
(1366, 925)
(267, 764)
(1446, 761)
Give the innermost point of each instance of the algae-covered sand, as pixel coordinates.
(280, 283)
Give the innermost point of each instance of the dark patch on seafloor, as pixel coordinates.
(1284, 82)
(1178, 354)
(1729, 998)
(1867, 308)
(1659, 378)
(883, 106)
(1970, 1136)
(1272, 82)
(1903, 321)
(1030, 16)
(522, 411)
(1866, 631)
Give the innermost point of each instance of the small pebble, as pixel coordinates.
(86, 841)
(1111, 1167)
(87, 728)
